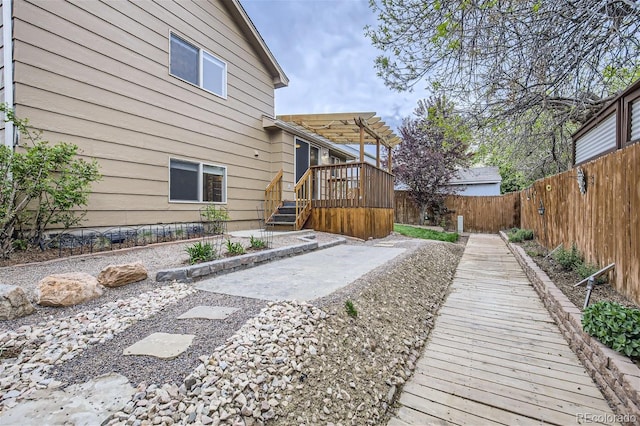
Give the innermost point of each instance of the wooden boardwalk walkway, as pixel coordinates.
(495, 356)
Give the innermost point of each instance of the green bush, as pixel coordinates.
(234, 249)
(585, 270)
(257, 243)
(351, 310)
(213, 213)
(568, 259)
(517, 235)
(201, 252)
(40, 185)
(615, 326)
(216, 217)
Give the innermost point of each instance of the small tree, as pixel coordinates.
(40, 185)
(434, 146)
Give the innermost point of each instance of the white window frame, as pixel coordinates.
(201, 167)
(201, 53)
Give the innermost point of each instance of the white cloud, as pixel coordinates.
(322, 48)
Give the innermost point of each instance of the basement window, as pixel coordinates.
(197, 182)
(197, 66)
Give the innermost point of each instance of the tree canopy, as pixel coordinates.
(532, 70)
(435, 145)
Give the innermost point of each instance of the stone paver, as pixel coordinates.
(208, 312)
(304, 277)
(161, 345)
(83, 404)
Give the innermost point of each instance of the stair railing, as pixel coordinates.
(273, 196)
(303, 191)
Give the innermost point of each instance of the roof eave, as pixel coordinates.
(247, 27)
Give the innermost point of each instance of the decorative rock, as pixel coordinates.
(119, 275)
(67, 289)
(13, 302)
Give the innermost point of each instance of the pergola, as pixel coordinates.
(357, 128)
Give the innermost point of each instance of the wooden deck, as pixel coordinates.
(495, 356)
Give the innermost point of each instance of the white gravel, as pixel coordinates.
(260, 364)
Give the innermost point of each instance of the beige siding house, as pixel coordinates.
(169, 97)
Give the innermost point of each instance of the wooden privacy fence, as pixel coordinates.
(485, 214)
(481, 214)
(604, 221)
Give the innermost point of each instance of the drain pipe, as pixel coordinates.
(7, 60)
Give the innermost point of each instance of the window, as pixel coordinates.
(197, 66)
(197, 182)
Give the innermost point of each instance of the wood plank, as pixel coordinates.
(498, 372)
(422, 402)
(484, 312)
(516, 388)
(526, 409)
(503, 326)
(510, 338)
(565, 357)
(522, 361)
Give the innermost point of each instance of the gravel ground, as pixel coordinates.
(362, 362)
(154, 258)
(351, 376)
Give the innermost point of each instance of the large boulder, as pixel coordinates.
(117, 275)
(67, 289)
(14, 302)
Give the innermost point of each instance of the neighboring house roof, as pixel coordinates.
(472, 176)
(268, 122)
(477, 175)
(241, 17)
(355, 151)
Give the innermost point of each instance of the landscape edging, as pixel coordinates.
(235, 263)
(617, 376)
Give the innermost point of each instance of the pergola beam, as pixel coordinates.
(345, 128)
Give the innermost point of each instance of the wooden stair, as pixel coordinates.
(284, 219)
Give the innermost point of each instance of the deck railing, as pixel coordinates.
(273, 196)
(303, 192)
(352, 185)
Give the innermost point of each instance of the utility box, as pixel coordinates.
(460, 224)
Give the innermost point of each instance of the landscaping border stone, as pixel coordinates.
(235, 263)
(617, 376)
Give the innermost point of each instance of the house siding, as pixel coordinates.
(1, 70)
(634, 127)
(96, 74)
(481, 189)
(598, 140)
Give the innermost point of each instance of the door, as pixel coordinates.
(302, 158)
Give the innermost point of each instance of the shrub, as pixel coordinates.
(351, 310)
(519, 235)
(215, 216)
(568, 259)
(615, 326)
(257, 243)
(201, 252)
(40, 184)
(234, 249)
(585, 270)
(213, 213)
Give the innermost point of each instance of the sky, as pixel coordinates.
(322, 48)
